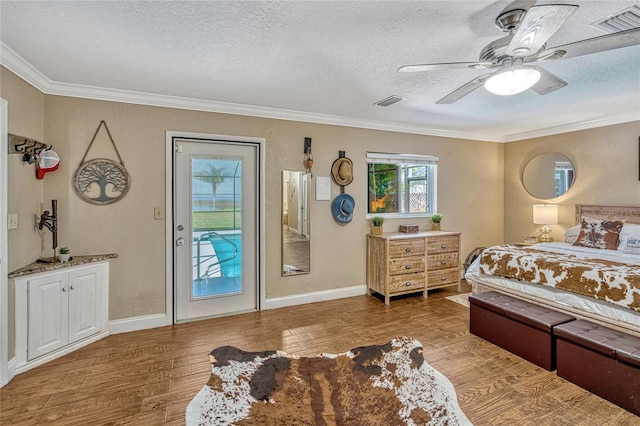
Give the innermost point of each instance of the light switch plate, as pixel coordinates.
(12, 221)
(158, 213)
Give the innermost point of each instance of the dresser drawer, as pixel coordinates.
(406, 282)
(406, 247)
(406, 265)
(442, 277)
(442, 261)
(443, 244)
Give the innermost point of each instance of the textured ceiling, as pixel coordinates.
(318, 61)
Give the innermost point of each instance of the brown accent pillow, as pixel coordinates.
(600, 234)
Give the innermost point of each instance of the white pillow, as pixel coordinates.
(629, 230)
(631, 246)
(571, 234)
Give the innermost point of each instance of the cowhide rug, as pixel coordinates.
(387, 385)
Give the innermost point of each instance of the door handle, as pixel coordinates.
(180, 241)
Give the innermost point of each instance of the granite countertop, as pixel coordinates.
(37, 267)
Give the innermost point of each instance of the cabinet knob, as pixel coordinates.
(443, 246)
(71, 287)
(408, 283)
(443, 278)
(408, 249)
(443, 262)
(64, 288)
(407, 267)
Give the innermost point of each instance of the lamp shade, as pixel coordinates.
(545, 214)
(512, 81)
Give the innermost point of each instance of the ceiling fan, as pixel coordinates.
(529, 30)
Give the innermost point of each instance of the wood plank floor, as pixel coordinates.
(148, 377)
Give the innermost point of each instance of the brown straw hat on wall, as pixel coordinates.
(342, 171)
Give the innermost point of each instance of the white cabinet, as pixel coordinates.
(48, 310)
(59, 311)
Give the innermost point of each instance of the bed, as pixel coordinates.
(525, 272)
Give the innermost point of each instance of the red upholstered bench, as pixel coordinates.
(520, 327)
(603, 361)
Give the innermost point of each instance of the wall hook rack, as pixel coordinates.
(29, 148)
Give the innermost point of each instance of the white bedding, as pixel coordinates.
(590, 306)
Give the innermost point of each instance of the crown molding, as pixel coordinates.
(23, 69)
(572, 127)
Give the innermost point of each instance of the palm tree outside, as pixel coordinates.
(214, 176)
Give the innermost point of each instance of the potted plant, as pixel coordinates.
(65, 255)
(376, 225)
(436, 218)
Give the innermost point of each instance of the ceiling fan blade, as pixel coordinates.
(592, 45)
(445, 66)
(548, 82)
(464, 90)
(538, 25)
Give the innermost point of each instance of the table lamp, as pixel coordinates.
(545, 214)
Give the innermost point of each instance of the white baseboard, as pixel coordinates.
(160, 320)
(315, 296)
(145, 322)
(11, 372)
(11, 367)
(60, 352)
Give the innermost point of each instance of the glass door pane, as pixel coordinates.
(216, 199)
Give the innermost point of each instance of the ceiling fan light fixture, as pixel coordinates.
(512, 80)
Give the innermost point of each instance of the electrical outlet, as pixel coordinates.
(12, 221)
(158, 213)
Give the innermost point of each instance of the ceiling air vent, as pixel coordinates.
(390, 101)
(626, 19)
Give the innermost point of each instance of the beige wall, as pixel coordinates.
(470, 197)
(26, 118)
(26, 115)
(606, 172)
(480, 191)
(338, 252)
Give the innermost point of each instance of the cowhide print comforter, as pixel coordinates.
(613, 282)
(389, 384)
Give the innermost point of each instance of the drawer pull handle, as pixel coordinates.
(407, 267)
(443, 262)
(443, 246)
(408, 283)
(443, 278)
(408, 249)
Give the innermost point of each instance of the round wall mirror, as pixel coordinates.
(548, 175)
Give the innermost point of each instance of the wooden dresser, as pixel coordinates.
(400, 263)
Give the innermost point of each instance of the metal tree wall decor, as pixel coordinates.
(101, 181)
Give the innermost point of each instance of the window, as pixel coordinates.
(563, 177)
(401, 185)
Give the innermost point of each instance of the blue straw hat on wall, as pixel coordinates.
(342, 208)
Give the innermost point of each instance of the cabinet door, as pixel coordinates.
(48, 323)
(84, 303)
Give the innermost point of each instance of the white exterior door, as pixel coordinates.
(215, 231)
